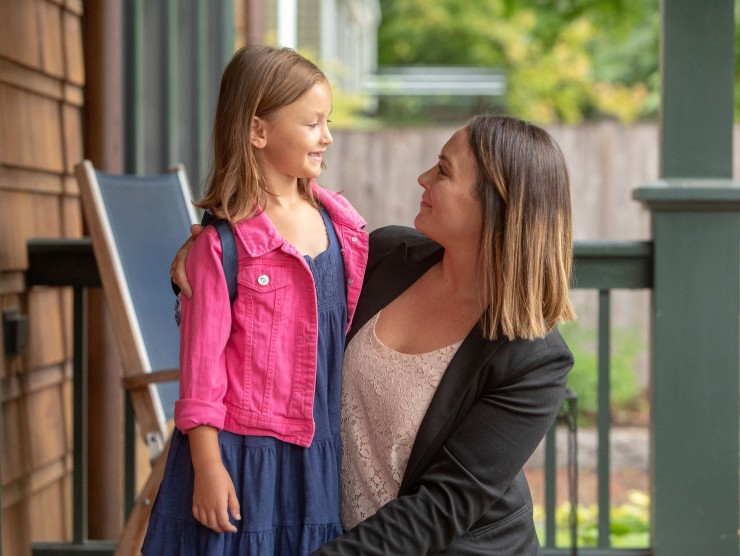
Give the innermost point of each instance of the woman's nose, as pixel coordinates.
(421, 180)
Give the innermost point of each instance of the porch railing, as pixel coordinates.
(604, 267)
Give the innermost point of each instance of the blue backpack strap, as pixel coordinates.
(229, 259)
(229, 255)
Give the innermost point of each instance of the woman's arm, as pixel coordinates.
(177, 268)
(476, 465)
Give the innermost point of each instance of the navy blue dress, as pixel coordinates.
(289, 495)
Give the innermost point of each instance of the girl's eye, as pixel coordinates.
(313, 125)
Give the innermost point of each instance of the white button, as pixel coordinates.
(353, 239)
(350, 281)
(263, 279)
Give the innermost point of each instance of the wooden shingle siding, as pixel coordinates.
(41, 96)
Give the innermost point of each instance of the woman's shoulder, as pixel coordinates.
(517, 357)
(410, 243)
(389, 237)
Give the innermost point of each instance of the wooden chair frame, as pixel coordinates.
(140, 379)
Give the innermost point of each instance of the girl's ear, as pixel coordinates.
(258, 133)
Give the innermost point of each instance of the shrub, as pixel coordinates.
(630, 523)
(627, 397)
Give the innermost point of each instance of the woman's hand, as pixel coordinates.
(213, 490)
(177, 269)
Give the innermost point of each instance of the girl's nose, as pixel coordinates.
(328, 139)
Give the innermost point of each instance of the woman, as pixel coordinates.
(454, 370)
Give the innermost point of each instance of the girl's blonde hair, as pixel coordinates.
(258, 81)
(526, 246)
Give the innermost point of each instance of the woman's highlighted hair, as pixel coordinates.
(526, 246)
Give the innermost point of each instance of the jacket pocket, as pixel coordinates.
(263, 288)
(501, 523)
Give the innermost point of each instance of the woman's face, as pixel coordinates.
(450, 212)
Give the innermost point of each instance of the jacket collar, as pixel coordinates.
(259, 236)
(339, 208)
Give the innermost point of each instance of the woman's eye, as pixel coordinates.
(440, 170)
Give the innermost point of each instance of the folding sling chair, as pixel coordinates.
(136, 224)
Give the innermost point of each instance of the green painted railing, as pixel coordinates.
(600, 266)
(604, 267)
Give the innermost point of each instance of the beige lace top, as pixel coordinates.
(385, 395)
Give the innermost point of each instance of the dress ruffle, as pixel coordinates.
(297, 523)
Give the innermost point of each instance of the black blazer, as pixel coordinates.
(464, 491)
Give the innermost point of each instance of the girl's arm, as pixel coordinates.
(213, 491)
(200, 410)
(476, 465)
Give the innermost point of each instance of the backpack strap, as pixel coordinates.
(230, 259)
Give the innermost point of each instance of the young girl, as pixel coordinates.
(254, 463)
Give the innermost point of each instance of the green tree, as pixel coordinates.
(565, 60)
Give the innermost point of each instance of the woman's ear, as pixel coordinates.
(258, 133)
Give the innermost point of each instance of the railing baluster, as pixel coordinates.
(604, 267)
(550, 492)
(604, 420)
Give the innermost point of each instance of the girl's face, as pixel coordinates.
(292, 141)
(450, 212)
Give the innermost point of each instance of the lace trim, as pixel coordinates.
(385, 395)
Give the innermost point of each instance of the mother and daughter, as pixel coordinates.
(411, 440)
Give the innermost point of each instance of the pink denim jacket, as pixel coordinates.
(251, 369)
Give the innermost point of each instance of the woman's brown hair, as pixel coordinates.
(526, 246)
(258, 81)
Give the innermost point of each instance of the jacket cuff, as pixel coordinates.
(190, 413)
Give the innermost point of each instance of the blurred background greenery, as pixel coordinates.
(564, 61)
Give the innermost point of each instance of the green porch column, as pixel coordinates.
(694, 386)
(696, 298)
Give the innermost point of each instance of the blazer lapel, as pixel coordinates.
(401, 268)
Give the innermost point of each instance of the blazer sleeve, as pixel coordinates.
(478, 461)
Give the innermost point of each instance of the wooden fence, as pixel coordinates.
(378, 170)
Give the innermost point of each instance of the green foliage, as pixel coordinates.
(565, 60)
(349, 110)
(439, 32)
(630, 523)
(626, 396)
